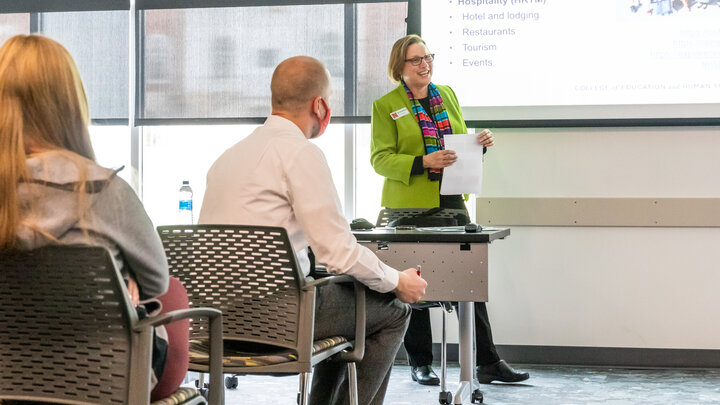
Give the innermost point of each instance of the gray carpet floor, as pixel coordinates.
(547, 385)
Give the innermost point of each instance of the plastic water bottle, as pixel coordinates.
(185, 216)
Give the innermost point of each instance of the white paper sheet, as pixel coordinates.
(465, 175)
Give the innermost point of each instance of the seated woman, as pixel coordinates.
(53, 192)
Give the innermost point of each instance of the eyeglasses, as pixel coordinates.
(416, 61)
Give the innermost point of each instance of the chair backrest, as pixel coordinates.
(250, 273)
(64, 326)
(388, 214)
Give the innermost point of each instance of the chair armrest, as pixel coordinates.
(216, 388)
(328, 280)
(360, 314)
(359, 345)
(172, 316)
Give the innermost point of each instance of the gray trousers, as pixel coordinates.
(387, 320)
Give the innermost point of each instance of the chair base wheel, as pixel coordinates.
(477, 397)
(231, 382)
(445, 397)
(204, 392)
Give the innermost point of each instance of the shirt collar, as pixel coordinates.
(278, 122)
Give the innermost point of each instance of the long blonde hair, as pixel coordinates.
(42, 107)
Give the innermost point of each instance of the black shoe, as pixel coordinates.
(500, 371)
(424, 375)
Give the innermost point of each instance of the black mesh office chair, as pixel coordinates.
(387, 215)
(251, 274)
(69, 334)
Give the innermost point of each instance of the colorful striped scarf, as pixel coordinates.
(433, 129)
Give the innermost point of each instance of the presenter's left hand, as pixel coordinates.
(485, 138)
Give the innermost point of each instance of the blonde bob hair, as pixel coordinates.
(43, 107)
(397, 55)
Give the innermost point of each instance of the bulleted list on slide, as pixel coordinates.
(574, 52)
(486, 39)
(480, 30)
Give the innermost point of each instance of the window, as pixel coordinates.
(367, 183)
(379, 26)
(112, 149)
(203, 82)
(172, 154)
(98, 41)
(13, 24)
(219, 61)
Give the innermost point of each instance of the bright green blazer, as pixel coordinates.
(396, 142)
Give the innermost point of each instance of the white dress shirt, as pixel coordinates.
(277, 177)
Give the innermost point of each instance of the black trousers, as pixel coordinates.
(418, 338)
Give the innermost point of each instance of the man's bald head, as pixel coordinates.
(296, 82)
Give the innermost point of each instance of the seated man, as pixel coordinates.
(277, 177)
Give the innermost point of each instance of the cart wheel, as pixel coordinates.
(445, 397)
(477, 397)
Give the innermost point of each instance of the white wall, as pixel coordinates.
(605, 286)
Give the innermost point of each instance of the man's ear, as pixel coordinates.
(326, 107)
(317, 106)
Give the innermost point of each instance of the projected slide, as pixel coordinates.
(557, 59)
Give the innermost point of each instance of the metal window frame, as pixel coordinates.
(51, 6)
(350, 107)
(177, 4)
(135, 53)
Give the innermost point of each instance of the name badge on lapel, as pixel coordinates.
(399, 113)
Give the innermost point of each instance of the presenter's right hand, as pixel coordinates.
(411, 287)
(439, 159)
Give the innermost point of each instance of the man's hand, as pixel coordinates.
(439, 159)
(411, 287)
